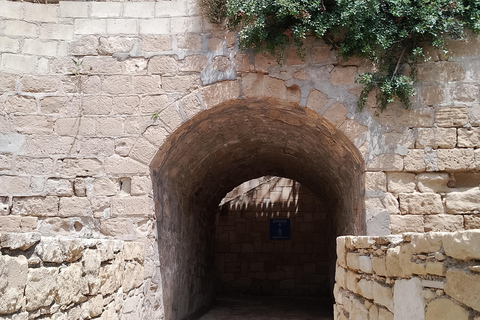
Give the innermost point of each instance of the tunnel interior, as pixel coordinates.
(221, 148)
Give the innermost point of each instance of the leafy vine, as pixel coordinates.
(390, 33)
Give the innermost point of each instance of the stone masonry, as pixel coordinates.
(431, 276)
(103, 103)
(249, 262)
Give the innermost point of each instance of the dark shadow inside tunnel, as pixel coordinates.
(225, 146)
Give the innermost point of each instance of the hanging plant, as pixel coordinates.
(390, 33)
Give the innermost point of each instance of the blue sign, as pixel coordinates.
(279, 229)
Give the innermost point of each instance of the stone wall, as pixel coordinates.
(431, 276)
(106, 106)
(62, 278)
(249, 262)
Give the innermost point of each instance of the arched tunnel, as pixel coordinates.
(221, 148)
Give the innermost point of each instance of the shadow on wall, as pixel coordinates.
(275, 238)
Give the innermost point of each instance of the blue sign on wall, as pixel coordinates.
(279, 229)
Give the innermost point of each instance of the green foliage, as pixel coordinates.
(388, 32)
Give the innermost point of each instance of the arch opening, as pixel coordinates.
(225, 146)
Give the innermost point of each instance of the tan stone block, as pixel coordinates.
(472, 222)
(432, 95)
(20, 104)
(180, 83)
(433, 182)
(336, 114)
(194, 63)
(320, 54)
(398, 261)
(191, 41)
(440, 71)
(33, 124)
(59, 187)
(11, 185)
(410, 223)
(95, 147)
(39, 84)
(190, 105)
(69, 284)
(143, 151)
(383, 295)
(103, 187)
(242, 63)
(28, 165)
(12, 284)
(435, 268)
(465, 92)
(219, 92)
(451, 116)
(151, 104)
(75, 126)
(386, 162)
(353, 261)
(156, 43)
(7, 82)
(384, 314)
(41, 287)
(79, 167)
(141, 186)
(274, 88)
(352, 281)
(445, 309)
(171, 117)
(147, 84)
(463, 245)
(375, 181)
(343, 75)
(111, 45)
(118, 227)
(164, 65)
(117, 84)
(352, 129)
(436, 138)
(379, 266)
(75, 207)
(420, 203)
(86, 45)
(456, 159)
(131, 206)
(133, 277)
(263, 62)
(125, 105)
(340, 277)
(399, 182)
(341, 254)
(97, 105)
(463, 287)
(124, 166)
(316, 100)
(468, 138)
(59, 105)
(109, 126)
(422, 117)
(415, 161)
(443, 222)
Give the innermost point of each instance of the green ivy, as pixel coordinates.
(390, 33)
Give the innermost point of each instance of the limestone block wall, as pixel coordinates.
(431, 276)
(90, 91)
(64, 278)
(249, 262)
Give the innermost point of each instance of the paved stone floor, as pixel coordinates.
(269, 308)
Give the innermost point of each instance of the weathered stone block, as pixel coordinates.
(420, 203)
(41, 287)
(443, 222)
(316, 100)
(70, 283)
(343, 76)
(408, 299)
(35, 206)
(451, 116)
(415, 161)
(75, 207)
(456, 159)
(463, 245)
(444, 309)
(383, 295)
(436, 138)
(433, 182)
(13, 278)
(409, 223)
(12, 185)
(386, 162)
(133, 276)
(440, 71)
(463, 202)
(130, 206)
(468, 138)
(400, 182)
(164, 65)
(19, 241)
(463, 287)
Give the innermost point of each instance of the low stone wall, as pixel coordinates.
(431, 276)
(66, 278)
(249, 261)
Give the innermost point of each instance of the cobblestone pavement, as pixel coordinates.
(269, 308)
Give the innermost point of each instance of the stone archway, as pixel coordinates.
(222, 147)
